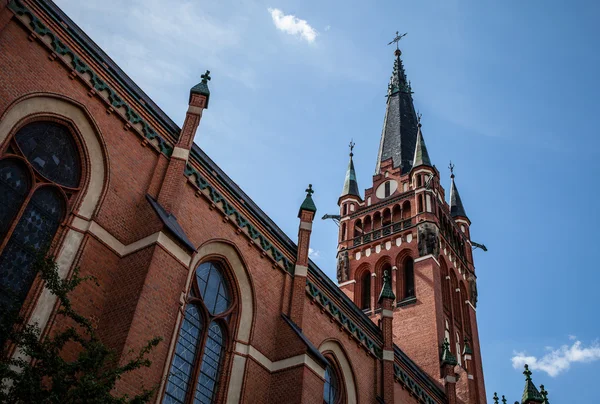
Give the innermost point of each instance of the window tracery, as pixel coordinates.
(199, 353)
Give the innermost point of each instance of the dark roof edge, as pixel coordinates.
(111, 67)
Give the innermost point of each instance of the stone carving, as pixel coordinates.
(473, 287)
(343, 267)
(428, 240)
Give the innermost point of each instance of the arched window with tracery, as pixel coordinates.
(331, 389)
(203, 335)
(40, 176)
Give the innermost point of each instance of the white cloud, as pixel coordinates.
(292, 25)
(313, 254)
(559, 360)
(572, 337)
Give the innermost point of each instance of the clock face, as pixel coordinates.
(386, 189)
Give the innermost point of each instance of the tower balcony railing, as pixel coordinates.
(384, 231)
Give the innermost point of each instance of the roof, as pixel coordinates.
(421, 157)
(350, 182)
(399, 134)
(456, 205)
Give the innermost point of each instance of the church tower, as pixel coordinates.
(404, 226)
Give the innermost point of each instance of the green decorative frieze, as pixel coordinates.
(96, 82)
(346, 322)
(413, 386)
(240, 220)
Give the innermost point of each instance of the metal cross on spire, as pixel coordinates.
(451, 167)
(351, 145)
(397, 39)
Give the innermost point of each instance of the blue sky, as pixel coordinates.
(508, 90)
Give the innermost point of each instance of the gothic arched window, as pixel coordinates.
(40, 173)
(365, 288)
(199, 353)
(409, 278)
(331, 390)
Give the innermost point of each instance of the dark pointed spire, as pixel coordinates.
(386, 290)
(399, 134)
(530, 393)
(456, 205)
(350, 183)
(421, 157)
(202, 87)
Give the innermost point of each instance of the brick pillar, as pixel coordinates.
(449, 376)
(469, 366)
(174, 181)
(386, 298)
(306, 214)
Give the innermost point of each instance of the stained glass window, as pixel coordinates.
(185, 356)
(197, 362)
(14, 186)
(32, 207)
(331, 390)
(51, 150)
(33, 233)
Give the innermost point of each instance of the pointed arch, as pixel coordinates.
(362, 294)
(92, 187)
(335, 348)
(383, 264)
(403, 279)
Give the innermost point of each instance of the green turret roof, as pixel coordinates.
(530, 393)
(447, 357)
(421, 157)
(386, 290)
(467, 349)
(308, 203)
(350, 183)
(202, 87)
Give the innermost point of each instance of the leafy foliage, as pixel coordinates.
(40, 374)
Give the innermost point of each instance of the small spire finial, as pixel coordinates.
(309, 190)
(503, 400)
(351, 145)
(451, 167)
(419, 115)
(496, 398)
(527, 373)
(544, 393)
(205, 77)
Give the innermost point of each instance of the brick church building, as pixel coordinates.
(91, 165)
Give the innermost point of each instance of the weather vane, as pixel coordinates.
(397, 39)
(352, 144)
(451, 167)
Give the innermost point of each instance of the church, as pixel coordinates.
(91, 166)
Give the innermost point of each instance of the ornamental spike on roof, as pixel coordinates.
(202, 87)
(399, 134)
(386, 290)
(530, 393)
(350, 183)
(421, 157)
(456, 205)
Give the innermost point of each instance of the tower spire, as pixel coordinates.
(350, 183)
(421, 157)
(399, 134)
(530, 393)
(456, 205)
